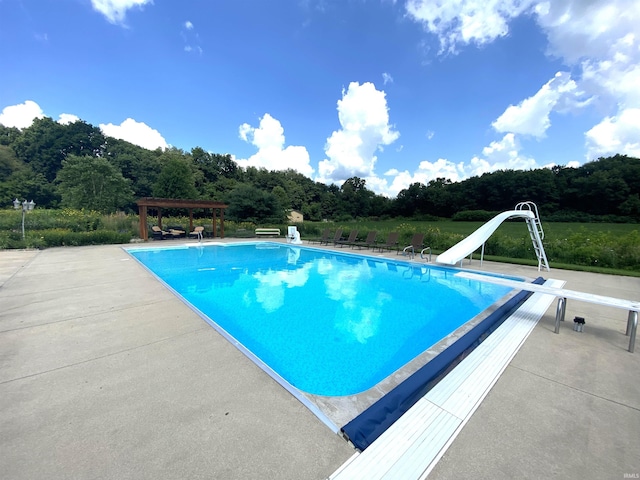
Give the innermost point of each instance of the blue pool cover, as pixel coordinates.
(371, 423)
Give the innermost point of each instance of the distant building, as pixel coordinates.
(295, 216)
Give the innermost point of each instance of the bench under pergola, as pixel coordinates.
(144, 204)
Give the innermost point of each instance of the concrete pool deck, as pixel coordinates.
(104, 373)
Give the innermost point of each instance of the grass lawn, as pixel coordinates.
(598, 247)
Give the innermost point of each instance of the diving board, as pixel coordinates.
(412, 446)
(563, 295)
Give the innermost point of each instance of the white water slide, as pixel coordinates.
(464, 248)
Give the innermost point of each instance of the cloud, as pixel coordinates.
(138, 133)
(500, 155)
(386, 78)
(618, 134)
(67, 118)
(365, 128)
(190, 38)
(579, 29)
(597, 39)
(115, 11)
(461, 22)
(531, 116)
(504, 154)
(21, 115)
(269, 139)
(600, 38)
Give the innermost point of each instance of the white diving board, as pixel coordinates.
(563, 295)
(412, 446)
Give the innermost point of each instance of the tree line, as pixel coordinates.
(77, 166)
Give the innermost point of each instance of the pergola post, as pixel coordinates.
(144, 235)
(214, 223)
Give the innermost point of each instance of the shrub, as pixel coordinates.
(473, 216)
(60, 237)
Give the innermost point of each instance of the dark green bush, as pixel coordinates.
(60, 237)
(473, 216)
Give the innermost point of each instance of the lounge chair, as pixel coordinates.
(337, 237)
(417, 244)
(177, 232)
(391, 243)
(369, 242)
(197, 233)
(353, 234)
(158, 234)
(323, 239)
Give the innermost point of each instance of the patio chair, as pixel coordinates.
(197, 233)
(158, 234)
(369, 242)
(353, 234)
(391, 243)
(337, 237)
(324, 238)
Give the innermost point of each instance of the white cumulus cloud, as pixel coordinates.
(138, 133)
(365, 129)
(67, 118)
(115, 11)
(462, 22)
(618, 134)
(21, 115)
(269, 139)
(598, 40)
(601, 39)
(500, 155)
(531, 116)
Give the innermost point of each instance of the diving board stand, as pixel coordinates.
(563, 295)
(411, 447)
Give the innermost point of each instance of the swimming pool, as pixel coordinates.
(328, 323)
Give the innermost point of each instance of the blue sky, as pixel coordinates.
(392, 91)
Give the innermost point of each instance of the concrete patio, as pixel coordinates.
(104, 373)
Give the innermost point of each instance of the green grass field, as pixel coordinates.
(599, 247)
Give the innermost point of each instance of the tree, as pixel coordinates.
(283, 198)
(356, 199)
(138, 164)
(9, 163)
(175, 181)
(26, 184)
(93, 183)
(248, 203)
(46, 143)
(411, 200)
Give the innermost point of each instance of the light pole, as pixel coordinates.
(26, 206)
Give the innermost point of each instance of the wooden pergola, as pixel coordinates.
(159, 203)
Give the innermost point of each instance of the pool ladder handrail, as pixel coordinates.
(413, 253)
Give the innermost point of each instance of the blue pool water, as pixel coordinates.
(328, 323)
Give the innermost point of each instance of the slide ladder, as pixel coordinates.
(535, 232)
